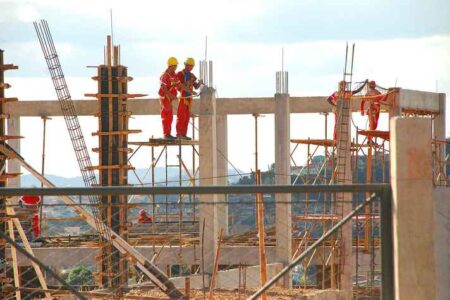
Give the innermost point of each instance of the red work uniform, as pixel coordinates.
(144, 219)
(188, 80)
(171, 82)
(31, 200)
(373, 112)
(35, 225)
(334, 97)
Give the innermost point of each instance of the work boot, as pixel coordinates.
(183, 137)
(169, 137)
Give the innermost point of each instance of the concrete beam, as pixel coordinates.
(407, 99)
(419, 100)
(225, 106)
(413, 209)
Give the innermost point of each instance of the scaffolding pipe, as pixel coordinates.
(235, 189)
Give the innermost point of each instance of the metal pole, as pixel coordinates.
(41, 210)
(171, 190)
(311, 248)
(387, 246)
(38, 262)
(256, 142)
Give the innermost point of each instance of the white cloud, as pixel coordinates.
(18, 11)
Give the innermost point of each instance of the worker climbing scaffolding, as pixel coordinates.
(374, 97)
(168, 93)
(188, 82)
(341, 93)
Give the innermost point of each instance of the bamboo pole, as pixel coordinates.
(216, 265)
(261, 235)
(27, 247)
(14, 261)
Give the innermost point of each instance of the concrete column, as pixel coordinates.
(439, 131)
(394, 109)
(283, 176)
(13, 125)
(222, 170)
(208, 174)
(413, 209)
(344, 200)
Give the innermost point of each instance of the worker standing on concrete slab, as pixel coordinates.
(342, 94)
(374, 97)
(188, 82)
(168, 93)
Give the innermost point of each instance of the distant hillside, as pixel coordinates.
(145, 174)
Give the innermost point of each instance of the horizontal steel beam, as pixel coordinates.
(233, 189)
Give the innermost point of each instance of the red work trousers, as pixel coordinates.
(373, 120)
(183, 116)
(166, 115)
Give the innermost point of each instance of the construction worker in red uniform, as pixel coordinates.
(375, 98)
(341, 94)
(29, 201)
(143, 218)
(168, 93)
(32, 202)
(35, 225)
(188, 82)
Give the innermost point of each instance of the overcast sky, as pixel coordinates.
(403, 43)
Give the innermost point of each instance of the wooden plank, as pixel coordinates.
(14, 261)
(164, 142)
(110, 167)
(5, 100)
(116, 132)
(8, 67)
(147, 267)
(110, 96)
(10, 137)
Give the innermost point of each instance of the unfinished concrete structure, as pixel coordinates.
(212, 125)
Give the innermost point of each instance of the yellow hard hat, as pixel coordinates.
(190, 61)
(172, 61)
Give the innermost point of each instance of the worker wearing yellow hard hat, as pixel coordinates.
(169, 84)
(188, 83)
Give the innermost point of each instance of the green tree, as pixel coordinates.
(80, 275)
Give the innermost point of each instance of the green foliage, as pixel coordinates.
(80, 275)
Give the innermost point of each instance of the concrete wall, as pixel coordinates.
(442, 243)
(421, 215)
